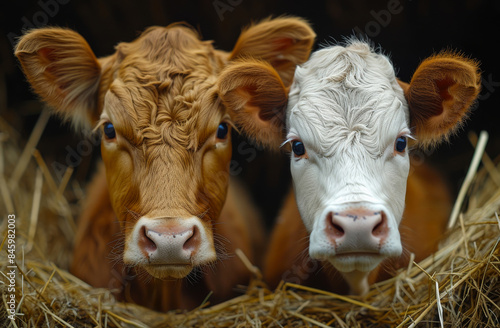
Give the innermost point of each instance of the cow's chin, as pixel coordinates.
(170, 271)
(363, 262)
(177, 270)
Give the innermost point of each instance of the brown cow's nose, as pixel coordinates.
(357, 230)
(168, 246)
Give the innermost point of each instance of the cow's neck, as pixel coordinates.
(148, 291)
(352, 283)
(357, 281)
(151, 292)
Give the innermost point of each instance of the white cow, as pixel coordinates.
(349, 122)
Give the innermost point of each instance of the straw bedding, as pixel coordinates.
(457, 286)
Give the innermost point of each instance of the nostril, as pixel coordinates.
(337, 230)
(381, 229)
(145, 242)
(333, 226)
(191, 244)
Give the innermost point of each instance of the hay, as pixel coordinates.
(458, 286)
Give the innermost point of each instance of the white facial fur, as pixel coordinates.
(348, 110)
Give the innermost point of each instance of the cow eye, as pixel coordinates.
(298, 148)
(400, 144)
(222, 131)
(109, 130)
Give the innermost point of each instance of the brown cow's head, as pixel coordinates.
(165, 134)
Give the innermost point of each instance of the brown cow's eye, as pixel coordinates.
(109, 130)
(222, 131)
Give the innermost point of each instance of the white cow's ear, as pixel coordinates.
(256, 98)
(439, 96)
(284, 42)
(63, 70)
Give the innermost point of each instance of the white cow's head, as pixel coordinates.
(349, 121)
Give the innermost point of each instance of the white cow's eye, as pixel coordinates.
(400, 144)
(298, 148)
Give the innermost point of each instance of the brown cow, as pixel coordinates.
(166, 149)
(348, 123)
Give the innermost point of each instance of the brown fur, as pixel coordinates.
(256, 106)
(440, 94)
(161, 94)
(69, 94)
(290, 47)
(99, 244)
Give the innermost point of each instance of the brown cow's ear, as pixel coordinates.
(440, 94)
(256, 99)
(284, 42)
(63, 70)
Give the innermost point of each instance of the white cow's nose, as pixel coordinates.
(168, 245)
(357, 230)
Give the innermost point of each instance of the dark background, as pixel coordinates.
(413, 31)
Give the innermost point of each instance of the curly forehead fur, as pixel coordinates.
(344, 98)
(167, 78)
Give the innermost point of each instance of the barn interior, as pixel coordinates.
(407, 31)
